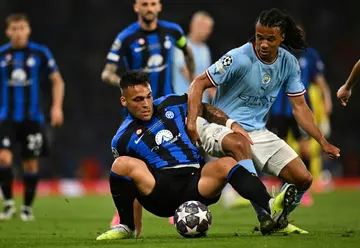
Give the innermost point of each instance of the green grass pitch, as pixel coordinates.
(334, 221)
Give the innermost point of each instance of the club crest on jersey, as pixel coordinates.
(141, 41)
(266, 79)
(163, 136)
(138, 131)
(169, 114)
(227, 60)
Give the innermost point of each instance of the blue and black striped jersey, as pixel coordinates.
(21, 72)
(150, 51)
(161, 141)
(310, 66)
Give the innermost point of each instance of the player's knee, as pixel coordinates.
(125, 166)
(5, 158)
(225, 164)
(31, 166)
(305, 181)
(239, 148)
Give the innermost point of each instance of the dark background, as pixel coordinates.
(80, 33)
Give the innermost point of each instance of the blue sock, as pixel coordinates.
(299, 195)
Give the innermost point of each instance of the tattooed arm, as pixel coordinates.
(109, 75)
(215, 115)
(189, 61)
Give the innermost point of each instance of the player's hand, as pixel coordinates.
(57, 116)
(237, 128)
(331, 151)
(193, 134)
(343, 94)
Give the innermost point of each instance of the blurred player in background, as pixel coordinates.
(248, 80)
(282, 122)
(344, 92)
(23, 66)
(201, 27)
(148, 45)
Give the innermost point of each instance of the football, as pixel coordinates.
(192, 219)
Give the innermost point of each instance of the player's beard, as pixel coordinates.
(148, 21)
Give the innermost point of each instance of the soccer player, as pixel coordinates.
(281, 119)
(248, 80)
(23, 66)
(156, 163)
(201, 27)
(344, 92)
(147, 45)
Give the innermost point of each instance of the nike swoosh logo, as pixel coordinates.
(139, 49)
(138, 140)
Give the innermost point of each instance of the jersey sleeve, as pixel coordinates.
(179, 36)
(50, 63)
(228, 68)
(293, 85)
(120, 142)
(117, 49)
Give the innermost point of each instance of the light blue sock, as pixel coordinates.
(299, 195)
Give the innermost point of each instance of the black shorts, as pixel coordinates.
(173, 187)
(29, 134)
(281, 125)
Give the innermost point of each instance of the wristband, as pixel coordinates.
(229, 122)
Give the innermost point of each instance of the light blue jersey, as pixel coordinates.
(202, 59)
(247, 87)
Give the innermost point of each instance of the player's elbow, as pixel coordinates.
(105, 76)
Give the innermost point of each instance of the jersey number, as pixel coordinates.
(35, 142)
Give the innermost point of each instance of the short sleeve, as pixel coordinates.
(228, 68)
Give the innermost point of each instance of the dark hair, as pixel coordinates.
(132, 78)
(294, 36)
(16, 17)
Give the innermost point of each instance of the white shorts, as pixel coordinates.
(270, 153)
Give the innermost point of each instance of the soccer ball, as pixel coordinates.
(192, 219)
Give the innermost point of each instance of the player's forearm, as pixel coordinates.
(213, 114)
(354, 76)
(57, 90)
(305, 119)
(137, 217)
(190, 62)
(109, 75)
(110, 78)
(194, 101)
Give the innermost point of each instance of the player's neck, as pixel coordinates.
(148, 26)
(19, 45)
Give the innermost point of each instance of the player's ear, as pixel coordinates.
(136, 7)
(160, 7)
(282, 37)
(123, 101)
